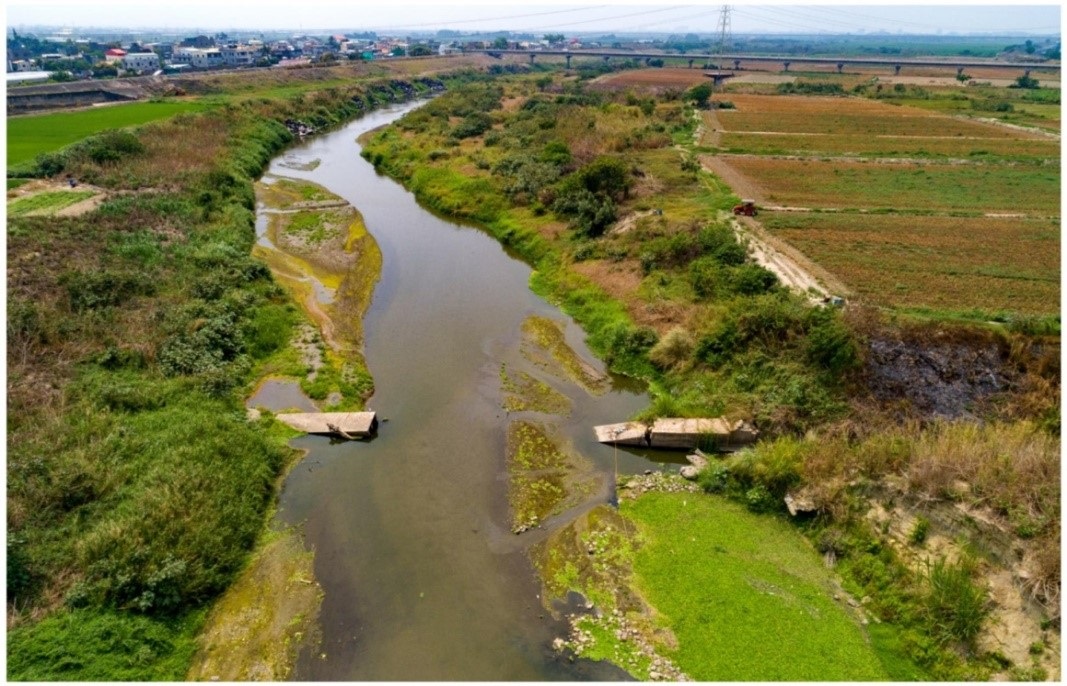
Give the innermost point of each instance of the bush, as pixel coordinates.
(673, 350)
(92, 290)
(473, 125)
(111, 146)
(955, 605)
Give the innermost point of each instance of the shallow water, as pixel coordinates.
(423, 579)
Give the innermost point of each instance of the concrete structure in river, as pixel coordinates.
(678, 433)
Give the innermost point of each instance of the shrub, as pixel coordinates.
(473, 125)
(955, 605)
(919, 531)
(751, 279)
(674, 349)
(96, 289)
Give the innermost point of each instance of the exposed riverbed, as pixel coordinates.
(423, 579)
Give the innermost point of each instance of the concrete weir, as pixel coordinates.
(344, 424)
(679, 433)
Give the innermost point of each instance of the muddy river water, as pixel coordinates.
(423, 579)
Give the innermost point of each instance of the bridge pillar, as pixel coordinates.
(786, 64)
(1026, 73)
(737, 65)
(569, 61)
(840, 66)
(691, 63)
(607, 58)
(532, 58)
(896, 69)
(959, 71)
(648, 61)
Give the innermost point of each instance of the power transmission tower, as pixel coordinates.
(724, 38)
(724, 33)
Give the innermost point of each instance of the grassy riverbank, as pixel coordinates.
(600, 190)
(137, 487)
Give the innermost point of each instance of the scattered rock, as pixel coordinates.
(689, 472)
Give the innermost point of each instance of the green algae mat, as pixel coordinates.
(746, 596)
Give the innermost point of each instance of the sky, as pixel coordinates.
(555, 16)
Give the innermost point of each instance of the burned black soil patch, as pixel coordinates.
(934, 378)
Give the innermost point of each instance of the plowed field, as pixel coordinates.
(912, 223)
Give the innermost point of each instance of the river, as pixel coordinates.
(423, 579)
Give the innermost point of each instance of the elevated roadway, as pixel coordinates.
(738, 61)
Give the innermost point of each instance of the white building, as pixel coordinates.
(198, 58)
(140, 61)
(238, 56)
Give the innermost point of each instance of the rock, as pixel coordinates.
(253, 414)
(697, 459)
(689, 472)
(654, 676)
(802, 500)
(558, 644)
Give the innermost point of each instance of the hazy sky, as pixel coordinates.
(541, 15)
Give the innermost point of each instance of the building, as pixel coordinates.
(114, 55)
(198, 58)
(140, 61)
(238, 55)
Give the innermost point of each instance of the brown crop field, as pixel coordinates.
(815, 144)
(941, 263)
(850, 116)
(653, 78)
(925, 210)
(1029, 189)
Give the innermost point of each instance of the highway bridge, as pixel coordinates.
(786, 61)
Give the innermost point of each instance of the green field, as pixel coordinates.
(29, 136)
(745, 595)
(48, 202)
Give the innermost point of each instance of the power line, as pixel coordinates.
(511, 16)
(606, 19)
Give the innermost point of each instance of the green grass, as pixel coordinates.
(48, 202)
(31, 135)
(15, 183)
(86, 645)
(745, 595)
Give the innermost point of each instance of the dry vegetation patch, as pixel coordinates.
(653, 79)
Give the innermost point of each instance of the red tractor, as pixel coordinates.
(747, 208)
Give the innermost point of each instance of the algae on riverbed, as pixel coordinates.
(542, 335)
(543, 479)
(256, 629)
(321, 252)
(524, 393)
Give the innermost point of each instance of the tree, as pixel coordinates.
(420, 50)
(699, 94)
(1025, 81)
(501, 43)
(554, 38)
(1030, 47)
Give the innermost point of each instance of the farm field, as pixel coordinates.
(904, 187)
(48, 202)
(667, 77)
(941, 213)
(942, 263)
(774, 143)
(31, 135)
(849, 116)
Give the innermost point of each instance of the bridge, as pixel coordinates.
(786, 61)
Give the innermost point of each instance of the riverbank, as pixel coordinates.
(128, 368)
(675, 301)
